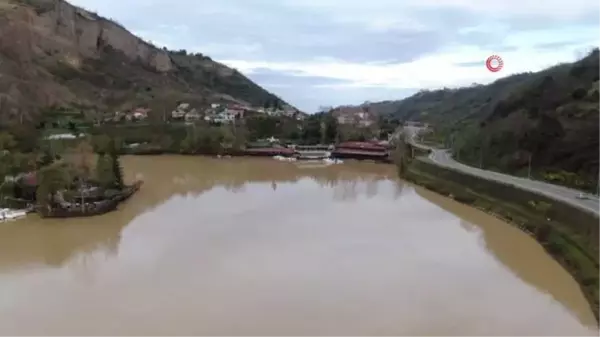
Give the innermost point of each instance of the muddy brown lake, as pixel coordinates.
(261, 247)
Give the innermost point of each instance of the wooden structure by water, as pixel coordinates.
(269, 151)
(361, 151)
(90, 208)
(312, 152)
(345, 150)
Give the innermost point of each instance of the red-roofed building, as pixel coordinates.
(30, 179)
(140, 113)
(364, 146)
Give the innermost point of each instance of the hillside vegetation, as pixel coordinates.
(53, 54)
(547, 118)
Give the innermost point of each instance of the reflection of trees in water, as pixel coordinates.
(347, 187)
(235, 186)
(326, 179)
(345, 190)
(198, 175)
(372, 186)
(398, 189)
(86, 261)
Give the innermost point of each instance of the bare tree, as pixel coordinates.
(81, 158)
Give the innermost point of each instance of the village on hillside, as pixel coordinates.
(220, 113)
(224, 113)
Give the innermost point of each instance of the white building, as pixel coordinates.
(193, 115)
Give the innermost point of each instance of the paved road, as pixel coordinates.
(561, 193)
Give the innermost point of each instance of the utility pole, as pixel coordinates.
(82, 198)
(598, 183)
(529, 167)
(481, 157)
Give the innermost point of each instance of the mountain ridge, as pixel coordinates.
(545, 122)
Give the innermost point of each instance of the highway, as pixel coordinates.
(444, 158)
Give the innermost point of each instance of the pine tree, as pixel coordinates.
(117, 171)
(104, 171)
(267, 104)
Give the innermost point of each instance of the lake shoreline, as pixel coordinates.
(254, 153)
(565, 244)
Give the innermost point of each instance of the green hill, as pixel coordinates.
(549, 116)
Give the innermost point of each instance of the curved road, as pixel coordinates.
(561, 193)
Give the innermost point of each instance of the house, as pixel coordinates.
(140, 113)
(354, 116)
(275, 112)
(180, 111)
(345, 119)
(193, 115)
(365, 120)
(28, 178)
(227, 116)
(119, 116)
(236, 112)
(177, 114)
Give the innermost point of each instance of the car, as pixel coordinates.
(581, 196)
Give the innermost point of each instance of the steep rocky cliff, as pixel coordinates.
(55, 54)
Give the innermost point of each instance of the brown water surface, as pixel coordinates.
(260, 247)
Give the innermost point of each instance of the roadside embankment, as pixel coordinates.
(569, 234)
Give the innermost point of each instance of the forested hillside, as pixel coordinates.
(549, 116)
(550, 121)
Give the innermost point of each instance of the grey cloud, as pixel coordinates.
(591, 19)
(555, 45)
(273, 32)
(279, 79)
(283, 33)
(507, 48)
(309, 92)
(470, 64)
(528, 23)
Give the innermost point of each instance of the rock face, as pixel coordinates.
(55, 54)
(51, 26)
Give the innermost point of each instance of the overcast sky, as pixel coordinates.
(332, 52)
